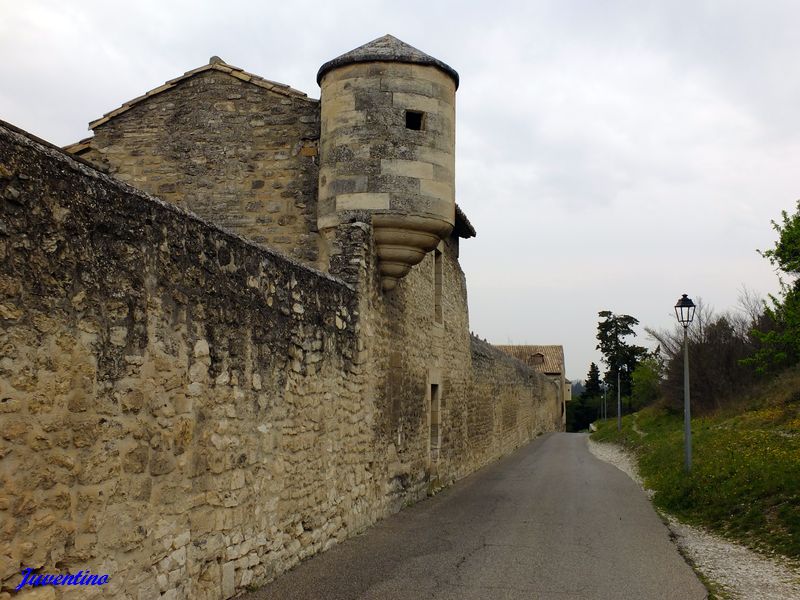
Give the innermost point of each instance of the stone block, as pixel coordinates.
(415, 102)
(148, 590)
(182, 539)
(37, 593)
(198, 372)
(363, 201)
(409, 85)
(228, 579)
(341, 101)
(436, 189)
(201, 349)
(407, 168)
(162, 463)
(133, 401)
(136, 460)
(346, 119)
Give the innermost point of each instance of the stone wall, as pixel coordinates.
(489, 403)
(193, 414)
(233, 152)
(180, 409)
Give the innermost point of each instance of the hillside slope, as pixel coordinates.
(745, 479)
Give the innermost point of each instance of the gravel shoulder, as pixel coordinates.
(739, 572)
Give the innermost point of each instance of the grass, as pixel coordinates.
(745, 479)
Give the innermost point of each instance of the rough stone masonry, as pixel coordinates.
(192, 412)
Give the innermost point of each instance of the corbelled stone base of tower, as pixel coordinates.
(402, 241)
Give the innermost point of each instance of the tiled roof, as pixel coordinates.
(386, 49)
(215, 64)
(550, 361)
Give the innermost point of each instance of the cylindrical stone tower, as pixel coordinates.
(387, 146)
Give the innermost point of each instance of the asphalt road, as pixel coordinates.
(548, 522)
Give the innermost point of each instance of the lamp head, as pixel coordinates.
(684, 310)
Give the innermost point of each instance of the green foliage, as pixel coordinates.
(593, 387)
(611, 334)
(619, 356)
(586, 408)
(582, 411)
(745, 479)
(786, 253)
(647, 381)
(779, 335)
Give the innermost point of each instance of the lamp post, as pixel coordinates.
(619, 398)
(605, 406)
(684, 311)
(619, 416)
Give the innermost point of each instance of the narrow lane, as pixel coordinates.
(548, 522)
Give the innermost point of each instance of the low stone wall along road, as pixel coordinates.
(549, 522)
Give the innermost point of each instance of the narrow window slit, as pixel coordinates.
(437, 286)
(435, 422)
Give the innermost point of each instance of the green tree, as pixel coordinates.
(786, 253)
(778, 337)
(593, 388)
(646, 379)
(582, 411)
(619, 356)
(585, 409)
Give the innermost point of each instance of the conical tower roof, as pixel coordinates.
(386, 49)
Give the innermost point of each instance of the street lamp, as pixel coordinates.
(684, 311)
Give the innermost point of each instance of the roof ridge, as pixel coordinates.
(215, 64)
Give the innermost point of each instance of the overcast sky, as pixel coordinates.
(612, 155)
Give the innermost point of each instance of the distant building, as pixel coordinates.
(548, 360)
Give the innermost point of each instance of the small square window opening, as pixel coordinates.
(415, 120)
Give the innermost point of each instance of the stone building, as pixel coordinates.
(235, 328)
